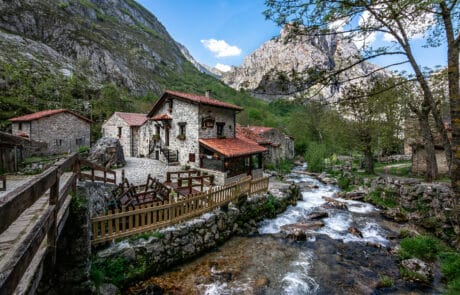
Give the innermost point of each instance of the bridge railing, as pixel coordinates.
(41, 239)
(127, 222)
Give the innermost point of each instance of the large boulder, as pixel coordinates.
(107, 152)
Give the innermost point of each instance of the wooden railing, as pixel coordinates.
(3, 181)
(124, 223)
(21, 271)
(94, 167)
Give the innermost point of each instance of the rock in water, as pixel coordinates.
(354, 231)
(107, 152)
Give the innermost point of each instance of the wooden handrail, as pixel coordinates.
(124, 223)
(50, 221)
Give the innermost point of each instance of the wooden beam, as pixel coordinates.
(18, 200)
(13, 270)
(67, 163)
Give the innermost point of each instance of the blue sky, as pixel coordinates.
(235, 28)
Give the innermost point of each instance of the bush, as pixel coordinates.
(422, 247)
(314, 156)
(83, 149)
(343, 183)
(385, 282)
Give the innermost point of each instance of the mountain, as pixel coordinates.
(94, 57)
(287, 66)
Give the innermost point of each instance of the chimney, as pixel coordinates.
(207, 93)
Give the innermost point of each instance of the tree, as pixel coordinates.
(375, 118)
(399, 20)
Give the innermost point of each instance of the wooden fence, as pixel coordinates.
(21, 271)
(124, 223)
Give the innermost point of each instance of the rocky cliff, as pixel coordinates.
(106, 40)
(288, 66)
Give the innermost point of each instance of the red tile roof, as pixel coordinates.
(232, 147)
(162, 117)
(200, 99)
(259, 129)
(46, 113)
(249, 134)
(132, 119)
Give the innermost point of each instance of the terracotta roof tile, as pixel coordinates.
(259, 129)
(162, 117)
(232, 147)
(46, 113)
(204, 100)
(249, 134)
(132, 119)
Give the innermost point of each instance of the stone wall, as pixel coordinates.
(173, 245)
(110, 129)
(429, 205)
(60, 131)
(281, 148)
(419, 162)
(224, 115)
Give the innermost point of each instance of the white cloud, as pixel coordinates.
(364, 40)
(221, 48)
(222, 67)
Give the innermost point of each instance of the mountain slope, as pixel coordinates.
(286, 66)
(95, 57)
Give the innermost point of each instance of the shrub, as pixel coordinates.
(343, 183)
(315, 155)
(385, 282)
(422, 247)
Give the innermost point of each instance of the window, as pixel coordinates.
(220, 128)
(58, 142)
(119, 131)
(181, 130)
(170, 105)
(80, 141)
(157, 130)
(20, 126)
(191, 157)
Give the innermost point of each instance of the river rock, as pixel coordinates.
(108, 152)
(353, 195)
(356, 232)
(395, 214)
(419, 267)
(298, 231)
(108, 289)
(334, 204)
(315, 215)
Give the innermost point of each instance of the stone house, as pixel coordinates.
(126, 127)
(413, 145)
(62, 130)
(280, 146)
(199, 132)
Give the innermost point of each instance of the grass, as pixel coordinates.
(385, 282)
(429, 249)
(382, 198)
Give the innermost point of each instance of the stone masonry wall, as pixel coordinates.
(110, 129)
(60, 132)
(173, 245)
(219, 115)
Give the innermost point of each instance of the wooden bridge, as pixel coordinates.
(32, 217)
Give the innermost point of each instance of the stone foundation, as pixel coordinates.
(171, 246)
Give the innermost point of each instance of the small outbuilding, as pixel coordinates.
(62, 130)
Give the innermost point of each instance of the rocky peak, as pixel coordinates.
(285, 66)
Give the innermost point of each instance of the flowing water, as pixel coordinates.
(330, 261)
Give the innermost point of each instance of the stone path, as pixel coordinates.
(137, 169)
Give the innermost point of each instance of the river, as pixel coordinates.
(330, 261)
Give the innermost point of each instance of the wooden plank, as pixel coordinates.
(18, 200)
(13, 270)
(65, 190)
(67, 163)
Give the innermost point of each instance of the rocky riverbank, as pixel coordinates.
(129, 261)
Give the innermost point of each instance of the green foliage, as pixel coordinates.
(97, 276)
(422, 247)
(83, 149)
(343, 182)
(385, 282)
(450, 265)
(382, 198)
(112, 270)
(315, 156)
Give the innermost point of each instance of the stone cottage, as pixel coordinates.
(125, 127)
(199, 132)
(62, 130)
(280, 146)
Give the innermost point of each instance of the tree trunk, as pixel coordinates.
(369, 160)
(430, 153)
